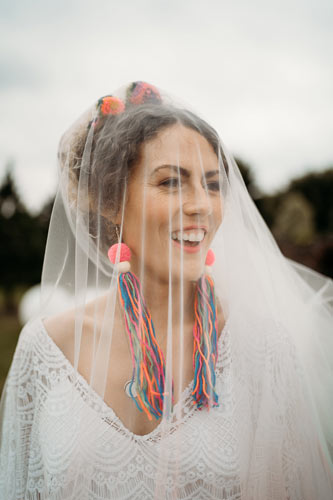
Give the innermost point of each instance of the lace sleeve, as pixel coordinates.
(17, 416)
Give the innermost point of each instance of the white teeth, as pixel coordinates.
(188, 236)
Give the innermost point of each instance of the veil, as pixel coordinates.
(190, 358)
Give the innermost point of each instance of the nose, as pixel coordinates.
(197, 201)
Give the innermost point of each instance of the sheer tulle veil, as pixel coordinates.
(218, 368)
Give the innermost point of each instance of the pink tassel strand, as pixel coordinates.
(147, 358)
(205, 345)
(148, 377)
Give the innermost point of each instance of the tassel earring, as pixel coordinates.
(146, 386)
(205, 351)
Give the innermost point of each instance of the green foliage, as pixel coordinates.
(23, 238)
(294, 221)
(317, 188)
(248, 178)
(268, 206)
(300, 217)
(10, 329)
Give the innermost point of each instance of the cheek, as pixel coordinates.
(148, 220)
(218, 209)
(157, 215)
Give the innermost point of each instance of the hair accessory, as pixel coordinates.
(120, 255)
(143, 92)
(146, 386)
(117, 233)
(137, 93)
(110, 105)
(205, 344)
(107, 105)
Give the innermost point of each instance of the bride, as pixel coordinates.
(192, 360)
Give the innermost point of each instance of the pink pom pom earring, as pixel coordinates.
(146, 386)
(210, 259)
(124, 258)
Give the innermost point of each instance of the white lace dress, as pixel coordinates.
(54, 424)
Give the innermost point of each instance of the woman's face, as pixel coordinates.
(173, 206)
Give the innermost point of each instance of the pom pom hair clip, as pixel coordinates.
(137, 93)
(107, 105)
(143, 92)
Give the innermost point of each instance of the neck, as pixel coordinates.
(170, 304)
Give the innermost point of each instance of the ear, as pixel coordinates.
(114, 215)
(116, 219)
(111, 217)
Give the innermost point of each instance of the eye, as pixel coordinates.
(172, 182)
(214, 186)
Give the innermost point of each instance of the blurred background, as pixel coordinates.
(260, 72)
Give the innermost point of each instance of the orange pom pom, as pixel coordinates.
(111, 105)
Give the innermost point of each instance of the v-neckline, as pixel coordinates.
(109, 412)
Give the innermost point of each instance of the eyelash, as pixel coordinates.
(173, 182)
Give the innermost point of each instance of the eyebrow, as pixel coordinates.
(184, 172)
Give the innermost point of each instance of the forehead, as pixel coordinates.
(178, 145)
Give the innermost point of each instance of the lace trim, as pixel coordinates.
(72, 445)
(97, 403)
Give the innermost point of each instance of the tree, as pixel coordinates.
(294, 221)
(23, 241)
(248, 178)
(317, 188)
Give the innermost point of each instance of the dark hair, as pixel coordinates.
(116, 149)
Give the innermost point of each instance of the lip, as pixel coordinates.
(188, 228)
(188, 249)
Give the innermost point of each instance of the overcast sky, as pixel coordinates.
(259, 71)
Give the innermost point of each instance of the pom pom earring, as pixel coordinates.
(210, 259)
(124, 253)
(146, 386)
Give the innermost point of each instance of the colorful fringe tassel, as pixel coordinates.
(205, 344)
(147, 357)
(148, 361)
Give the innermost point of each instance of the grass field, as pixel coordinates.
(10, 328)
(9, 333)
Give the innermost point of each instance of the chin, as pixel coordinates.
(190, 273)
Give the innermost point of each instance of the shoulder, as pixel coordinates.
(61, 329)
(28, 339)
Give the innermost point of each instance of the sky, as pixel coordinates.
(260, 72)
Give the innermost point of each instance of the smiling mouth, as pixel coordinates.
(191, 238)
